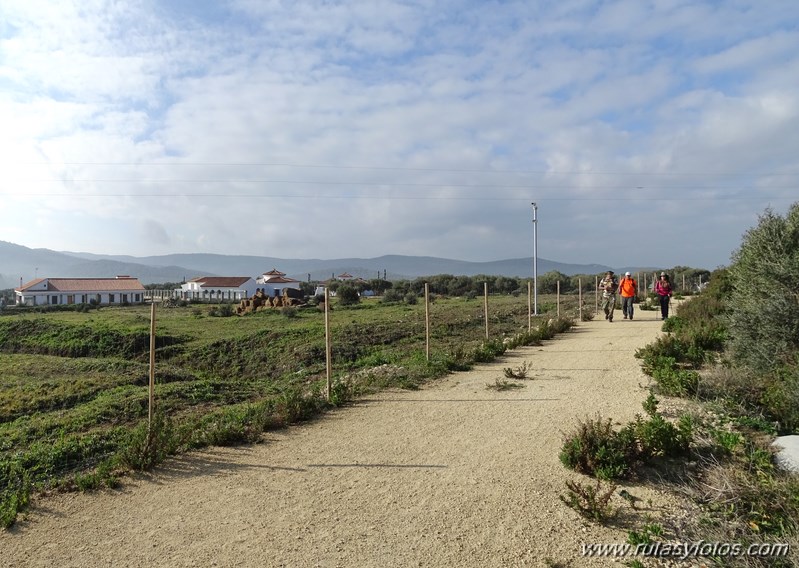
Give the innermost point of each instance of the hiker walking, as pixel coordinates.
(664, 291)
(628, 290)
(609, 285)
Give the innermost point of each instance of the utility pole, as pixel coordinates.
(535, 258)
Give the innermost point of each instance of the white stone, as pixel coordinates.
(788, 455)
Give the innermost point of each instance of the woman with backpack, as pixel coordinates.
(664, 291)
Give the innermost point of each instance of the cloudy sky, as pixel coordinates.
(648, 132)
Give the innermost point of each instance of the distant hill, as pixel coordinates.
(395, 266)
(17, 262)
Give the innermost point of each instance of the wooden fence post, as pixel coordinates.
(328, 363)
(638, 281)
(580, 296)
(596, 294)
(558, 297)
(151, 399)
(529, 306)
(485, 303)
(427, 320)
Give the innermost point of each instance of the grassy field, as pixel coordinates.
(74, 385)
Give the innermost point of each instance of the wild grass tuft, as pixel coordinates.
(519, 372)
(503, 385)
(591, 501)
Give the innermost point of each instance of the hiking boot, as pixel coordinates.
(606, 316)
(625, 317)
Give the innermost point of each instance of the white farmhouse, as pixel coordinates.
(219, 288)
(274, 281)
(56, 291)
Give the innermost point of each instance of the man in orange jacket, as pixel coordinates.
(628, 288)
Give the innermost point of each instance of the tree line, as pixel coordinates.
(451, 285)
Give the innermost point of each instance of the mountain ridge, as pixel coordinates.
(20, 262)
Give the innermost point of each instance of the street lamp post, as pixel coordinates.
(535, 258)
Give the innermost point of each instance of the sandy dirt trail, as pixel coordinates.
(453, 475)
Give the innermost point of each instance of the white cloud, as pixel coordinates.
(181, 114)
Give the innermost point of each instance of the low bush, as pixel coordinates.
(347, 296)
(780, 398)
(594, 448)
(392, 296)
(15, 491)
(659, 438)
(672, 381)
(592, 502)
(488, 351)
(149, 444)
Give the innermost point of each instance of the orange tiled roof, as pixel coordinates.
(280, 280)
(222, 281)
(29, 284)
(274, 272)
(86, 284)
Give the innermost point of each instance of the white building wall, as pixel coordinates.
(44, 298)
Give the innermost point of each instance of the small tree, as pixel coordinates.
(764, 311)
(548, 283)
(347, 295)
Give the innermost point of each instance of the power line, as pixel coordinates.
(405, 168)
(393, 198)
(493, 186)
(385, 185)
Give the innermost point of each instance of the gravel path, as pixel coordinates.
(454, 475)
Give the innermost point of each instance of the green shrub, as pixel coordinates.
(149, 445)
(15, 491)
(681, 351)
(659, 438)
(342, 392)
(288, 312)
(224, 310)
(392, 296)
(645, 535)
(348, 296)
(650, 404)
(702, 308)
(672, 381)
(102, 476)
(764, 277)
(780, 398)
(594, 448)
(727, 441)
(488, 351)
(240, 424)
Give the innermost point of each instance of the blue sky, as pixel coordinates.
(648, 132)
